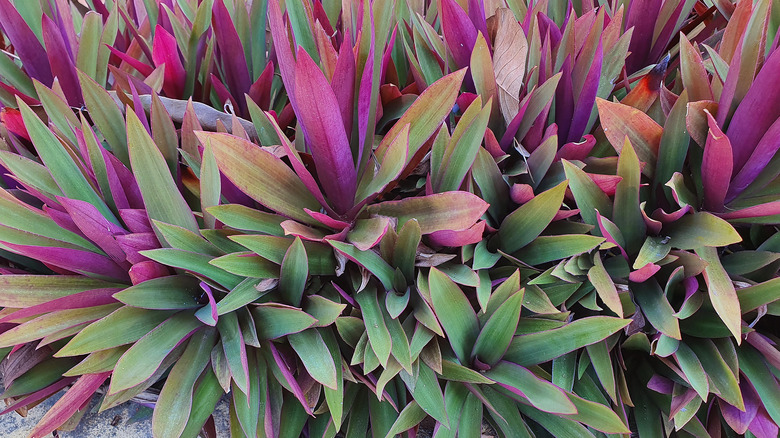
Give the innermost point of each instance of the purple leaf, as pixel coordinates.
(758, 161)
(95, 227)
(737, 419)
(586, 98)
(564, 101)
(214, 315)
(143, 68)
(322, 126)
(61, 62)
(74, 260)
(576, 150)
(644, 273)
(166, 52)
(40, 395)
(641, 15)
(26, 44)
(767, 209)
(763, 426)
(343, 82)
(284, 54)
(260, 91)
(364, 98)
(231, 51)
(477, 15)
(147, 270)
(756, 112)
(89, 298)
(73, 400)
(459, 32)
(716, 166)
(136, 220)
(290, 379)
(133, 244)
(459, 238)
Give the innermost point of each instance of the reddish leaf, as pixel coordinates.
(72, 401)
(166, 52)
(320, 118)
(459, 32)
(716, 167)
(26, 44)
(62, 65)
(231, 52)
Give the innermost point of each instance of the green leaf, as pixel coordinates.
(754, 366)
(234, 347)
(38, 377)
(589, 197)
(89, 44)
(107, 117)
(699, 230)
(262, 176)
(693, 370)
(627, 214)
(723, 380)
(369, 260)
(753, 297)
(315, 356)
(161, 197)
(392, 164)
(18, 215)
(721, 291)
(549, 248)
(146, 355)
(604, 285)
(241, 295)
(295, 270)
(597, 416)
(246, 264)
(462, 147)
(409, 417)
(53, 322)
(497, 333)
(459, 373)
(427, 393)
(558, 426)
(59, 112)
(98, 362)
(195, 262)
(174, 404)
(57, 159)
(652, 250)
(542, 394)
(124, 326)
(455, 313)
(276, 320)
(204, 399)
(244, 218)
(173, 292)
(537, 348)
(31, 173)
(273, 248)
(525, 224)
(656, 308)
(425, 115)
(378, 334)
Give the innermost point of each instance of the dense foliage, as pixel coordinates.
(363, 218)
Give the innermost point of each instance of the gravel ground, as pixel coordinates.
(118, 422)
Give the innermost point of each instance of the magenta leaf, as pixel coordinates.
(320, 118)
